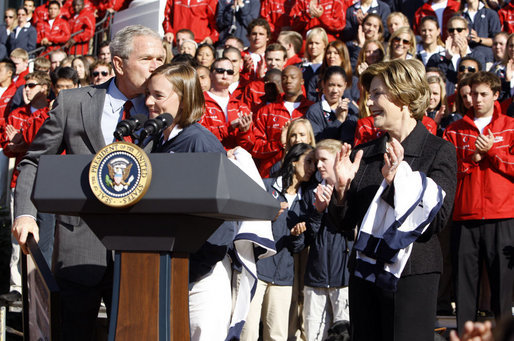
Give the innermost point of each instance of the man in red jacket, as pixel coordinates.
(83, 21)
(197, 15)
(225, 115)
(484, 209)
(54, 32)
(272, 120)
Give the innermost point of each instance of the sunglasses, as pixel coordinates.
(103, 73)
(463, 68)
(8, 17)
(31, 85)
(458, 29)
(221, 70)
(403, 41)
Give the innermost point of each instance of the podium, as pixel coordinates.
(190, 196)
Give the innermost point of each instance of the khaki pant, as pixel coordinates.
(271, 304)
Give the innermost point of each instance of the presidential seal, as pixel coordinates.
(120, 174)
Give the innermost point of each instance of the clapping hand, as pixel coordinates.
(392, 158)
(322, 197)
(345, 169)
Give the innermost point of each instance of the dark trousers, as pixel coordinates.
(80, 305)
(405, 315)
(491, 241)
(46, 223)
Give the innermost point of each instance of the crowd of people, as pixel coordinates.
(385, 130)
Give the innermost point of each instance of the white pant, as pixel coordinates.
(271, 303)
(321, 308)
(210, 304)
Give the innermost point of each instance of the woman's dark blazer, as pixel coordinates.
(424, 152)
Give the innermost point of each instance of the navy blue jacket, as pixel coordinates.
(326, 126)
(327, 265)
(352, 25)
(279, 269)
(486, 23)
(26, 39)
(226, 17)
(197, 139)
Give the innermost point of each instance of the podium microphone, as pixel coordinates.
(155, 126)
(129, 126)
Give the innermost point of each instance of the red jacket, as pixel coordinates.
(197, 15)
(366, 131)
(5, 102)
(85, 22)
(451, 8)
(58, 34)
(293, 61)
(21, 78)
(277, 13)
(33, 124)
(268, 148)
(332, 20)
(253, 94)
(214, 120)
(18, 119)
(506, 15)
(484, 189)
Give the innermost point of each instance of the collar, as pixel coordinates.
(470, 115)
(411, 144)
(480, 6)
(118, 99)
(324, 105)
(174, 132)
(27, 25)
(278, 186)
(374, 4)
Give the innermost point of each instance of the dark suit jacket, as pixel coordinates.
(26, 39)
(424, 152)
(73, 126)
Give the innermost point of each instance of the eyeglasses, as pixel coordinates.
(8, 17)
(400, 40)
(221, 70)
(458, 29)
(31, 85)
(103, 73)
(463, 68)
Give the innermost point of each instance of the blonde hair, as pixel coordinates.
(402, 30)
(316, 31)
(19, 53)
(442, 86)
(330, 145)
(399, 15)
(405, 82)
(187, 86)
(307, 124)
(362, 53)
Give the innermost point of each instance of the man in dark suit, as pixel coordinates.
(82, 122)
(24, 36)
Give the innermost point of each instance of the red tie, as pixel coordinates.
(126, 114)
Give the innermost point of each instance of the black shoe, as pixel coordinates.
(11, 297)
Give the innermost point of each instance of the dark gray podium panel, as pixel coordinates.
(199, 184)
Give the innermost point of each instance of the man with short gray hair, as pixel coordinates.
(82, 122)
